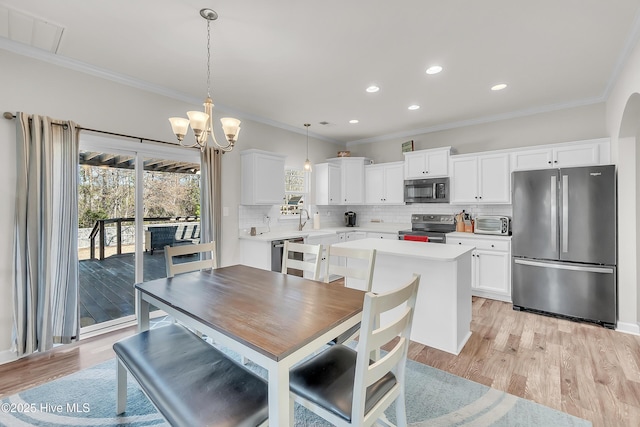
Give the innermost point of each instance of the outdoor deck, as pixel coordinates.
(106, 287)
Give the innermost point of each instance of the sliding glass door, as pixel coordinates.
(131, 202)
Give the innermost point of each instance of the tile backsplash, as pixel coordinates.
(333, 216)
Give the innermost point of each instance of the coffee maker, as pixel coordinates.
(350, 219)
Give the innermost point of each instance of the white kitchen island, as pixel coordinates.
(442, 318)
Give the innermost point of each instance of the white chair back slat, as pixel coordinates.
(206, 251)
(310, 262)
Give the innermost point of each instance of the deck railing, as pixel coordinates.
(100, 226)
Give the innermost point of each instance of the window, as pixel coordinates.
(296, 190)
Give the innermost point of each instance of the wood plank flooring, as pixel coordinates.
(106, 287)
(578, 368)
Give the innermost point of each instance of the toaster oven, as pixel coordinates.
(493, 224)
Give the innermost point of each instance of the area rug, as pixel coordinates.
(434, 398)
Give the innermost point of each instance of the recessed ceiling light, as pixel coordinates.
(499, 86)
(353, 121)
(414, 107)
(434, 69)
(373, 88)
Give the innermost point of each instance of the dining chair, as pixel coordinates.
(294, 254)
(347, 388)
(206, 261)
(356, 267)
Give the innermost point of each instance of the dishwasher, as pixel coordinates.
(277, 249)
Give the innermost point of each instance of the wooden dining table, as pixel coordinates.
(273, 319)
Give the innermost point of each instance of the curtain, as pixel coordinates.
(211, 197)
(45, 252)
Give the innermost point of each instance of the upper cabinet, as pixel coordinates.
(480, 179)
(584, 153)
(384, 183)
(341, 181)
(262, 177)
(427, 163)
(328, 183)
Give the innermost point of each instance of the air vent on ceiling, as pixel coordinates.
(32, 31)
(323, 123)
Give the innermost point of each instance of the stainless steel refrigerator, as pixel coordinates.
(564, 242)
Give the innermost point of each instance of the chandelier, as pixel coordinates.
(201, 122)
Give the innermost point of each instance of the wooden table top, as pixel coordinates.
(273, 313)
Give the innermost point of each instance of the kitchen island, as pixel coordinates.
(442, 317)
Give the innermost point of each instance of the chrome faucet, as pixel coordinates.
(300, 223)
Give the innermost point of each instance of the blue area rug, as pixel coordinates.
(434, 398)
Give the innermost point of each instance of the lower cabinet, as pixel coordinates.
(378, 235)
(491, 264)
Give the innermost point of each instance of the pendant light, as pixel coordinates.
(307, 163)
(202, 122)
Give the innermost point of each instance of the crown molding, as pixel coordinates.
(479, 120)
(83, 67)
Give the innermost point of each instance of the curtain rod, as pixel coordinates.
(9, 116)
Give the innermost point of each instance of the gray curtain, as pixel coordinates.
(211, 197)
(45, 253)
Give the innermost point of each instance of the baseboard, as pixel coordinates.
(629, 328)
(7, 356)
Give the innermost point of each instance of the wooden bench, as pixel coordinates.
(189, 381)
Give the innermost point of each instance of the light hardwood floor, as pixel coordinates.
(578, 368)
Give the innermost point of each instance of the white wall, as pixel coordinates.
(36, 87)
(573, 124)
(621, 118)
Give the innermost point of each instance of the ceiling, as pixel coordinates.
(289, 62)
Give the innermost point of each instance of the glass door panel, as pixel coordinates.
(106, 237)
(171, 211)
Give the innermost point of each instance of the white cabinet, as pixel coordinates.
(328, 184)
(352, 176)
(355, 235)
(583, 153)
(480, 179)
(256, 253)
(426, 163)
(377, 235)
(340, 181)
(262, 178)
(491, 265)
(384, 183)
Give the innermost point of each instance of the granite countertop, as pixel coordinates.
(291, 234)
(429, 251)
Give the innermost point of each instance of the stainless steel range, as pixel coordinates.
(435, 227)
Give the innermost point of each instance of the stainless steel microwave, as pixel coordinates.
(432, 190)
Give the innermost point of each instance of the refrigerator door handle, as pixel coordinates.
(554, 212)
(604, 270)
(565, 213)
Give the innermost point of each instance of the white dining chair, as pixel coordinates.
(206, 258)
(356, 267)
(294, 254)
(343, 385)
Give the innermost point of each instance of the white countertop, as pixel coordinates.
(429, 251)
(291, 234)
